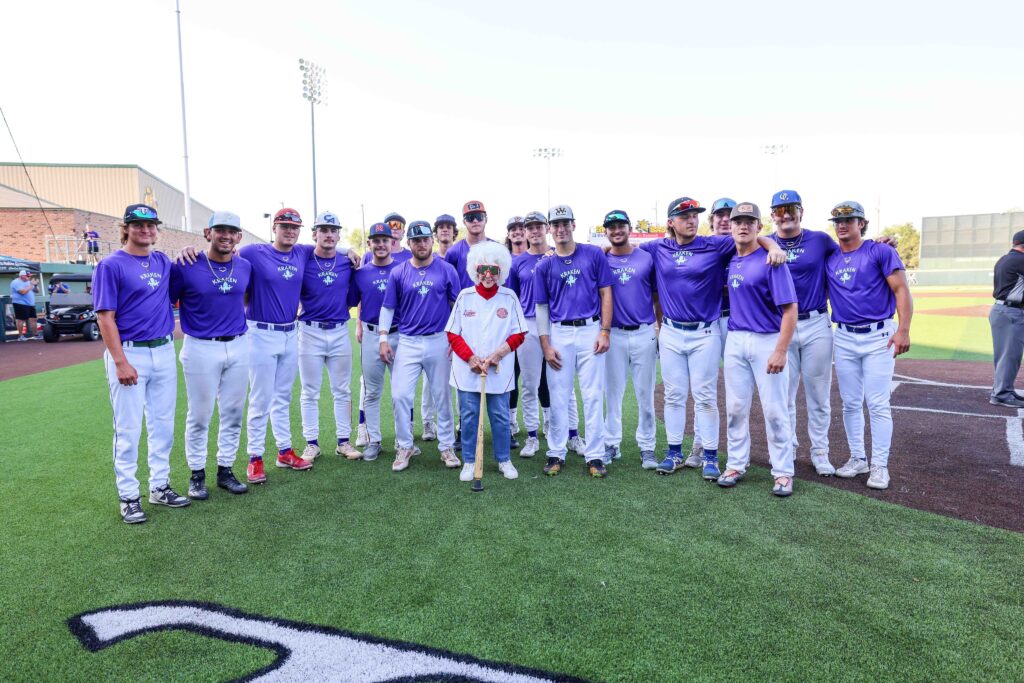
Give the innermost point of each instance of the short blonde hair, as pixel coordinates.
(489, 253)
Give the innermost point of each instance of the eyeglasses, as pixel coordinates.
(688, 205)
(475, 217)
(791, 209)
(844, 210)
(396, 225)
(485, 270)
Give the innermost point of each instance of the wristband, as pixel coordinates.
(382, 337)
(606, 333)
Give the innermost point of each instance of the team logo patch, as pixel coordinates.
(747, 208)
(305, 652)
(502, 313)
(469, 314)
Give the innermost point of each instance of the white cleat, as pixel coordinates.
(577, 444)
(467, 472)
(530, 448)
(362, 436)
(879, 478)
(508, 470)
(852, 468)
(311, 452)
(822, 465)
(429, 431)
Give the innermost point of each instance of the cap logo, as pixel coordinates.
(560, 211)
(784, 196)
(746, 208)
(473, 206)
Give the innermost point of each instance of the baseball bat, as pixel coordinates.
(478, 466)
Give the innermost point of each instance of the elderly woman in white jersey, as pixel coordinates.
(485, 328)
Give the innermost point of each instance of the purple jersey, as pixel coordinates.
(326, 289)
(805, 256)
(421, 296)
(690, 277)
(857, 286)
(276, 281)
(457, 257)
(631, 291)
(137, 289)
(520, 280)
(212, 296)
(758, 292)
(368, 286)
(398, 256)
(569, 284)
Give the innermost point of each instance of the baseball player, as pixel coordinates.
(762, 317)
(634, 343)
(530, 355)
(324, 340)
(420, 292)
(485, 327)
(866, 285)
(690, 274)
(474, 217)
(572, 292)
(215, 353)
(445, 232)
(368, 286)
(133, 306)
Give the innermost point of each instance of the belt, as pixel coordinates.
(863, 329)
(627, 328)
(725, 312)
(322, 326)
(1011, 304)
(579, 322)
(689, 327)
(808, 314)
(275, 328)
(148, 343)
(374, 328)
(221, 339)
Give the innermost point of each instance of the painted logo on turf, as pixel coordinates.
(305, 652)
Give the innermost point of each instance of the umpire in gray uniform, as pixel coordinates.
(1007, 321)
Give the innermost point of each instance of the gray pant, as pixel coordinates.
(1007, 347)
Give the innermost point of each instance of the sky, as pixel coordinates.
(430, 104)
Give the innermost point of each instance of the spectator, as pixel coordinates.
(58, 288)
(23, 296)
(92, 241)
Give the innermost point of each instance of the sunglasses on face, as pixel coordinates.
(488, 270)
(843, 211)
(396, 225)
(791, 209)
(475, 217)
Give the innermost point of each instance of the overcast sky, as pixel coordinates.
(431, 104)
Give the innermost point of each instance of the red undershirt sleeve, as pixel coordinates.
(459, 346)
(516, 340)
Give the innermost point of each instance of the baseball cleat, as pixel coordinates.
(346, 449)
(711, 471)
(577, 444)
(597, 469)
(449, 458)
(783, 487)
(288, 460)
(197, 485)
(402, 458)
(254, 472)
(311, 452)
(415, 451)
(553, 467)
(372, 452)
(226, 480)
(821, 464)
(1011, 402)
(694, 460)
(429, 431)
(729, 478)
(362, 435)
(648, 461)
(670, 464)
(852, 468)
(167, 496)
(513, 443)
(131, 511)
(467, 472)
(508, 470)
(530, 448)
(611, 453)
(879, 478)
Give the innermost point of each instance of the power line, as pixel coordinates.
(27, 175)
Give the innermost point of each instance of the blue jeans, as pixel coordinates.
(497, 414)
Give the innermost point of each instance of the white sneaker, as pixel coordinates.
(879, 478)
(449, 458)
(822, 465)
(695, 459)
(513, 422)
(577, 444)
(429, 431)
(362, 436)
(467, 472)
(311, 452)
(402, 457)
(852, 468)
(508, 470)
(530, 448)
(348, 450)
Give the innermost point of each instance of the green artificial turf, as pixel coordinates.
(632, 578)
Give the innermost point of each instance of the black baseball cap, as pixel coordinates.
(616, 216)
(677, 207)
(138, 213)
(1018, 237)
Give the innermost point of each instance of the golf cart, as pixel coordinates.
(70, 313)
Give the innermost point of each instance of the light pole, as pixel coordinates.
(776, 151)
(314, 89)
(548, 153)
(184, 132)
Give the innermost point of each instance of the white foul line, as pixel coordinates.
(953, 412)
(1015, 438)
(918, 380)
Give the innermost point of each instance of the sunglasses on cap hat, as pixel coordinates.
(144, 212)
(475, 217)
(484, 270)
(844, 211)
(684, 205)
(287, 216)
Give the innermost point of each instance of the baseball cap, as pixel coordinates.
(288, 217)
(616, 216)
(328, 219)
(722, 204)
(473, 205)
(535, 217)
(677, 207)
(515, 220)
(224, 219)
(786, 197)
(394, 217)
(23, 273)
(137, 213)
(445, 219)
(745, 210)
(1018, 238)
(560, 213)
(418, 229)
(378, 229)
(848, 210)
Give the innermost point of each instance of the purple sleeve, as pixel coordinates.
(604, 275)
(725, 246)
(650, 246)
(513, 279)
(540, 283)
(353, 289)
(246, 252)
(780, 283)
(452, 258)
(888, 259)
(104, 287)
(177, 282)
(454, 285)
(831, 246)
(391, 293)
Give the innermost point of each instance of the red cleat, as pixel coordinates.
(289, 460)
(254, 473)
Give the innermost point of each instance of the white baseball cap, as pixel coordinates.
(327, 219)
(562, 212)
(22, 273)
(225, 219)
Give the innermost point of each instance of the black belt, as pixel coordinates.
(863, 329)
(807, 315)
(275, 328)
(374, 328)
(221, 339)
(1011, 304)
(322, 326)
(627, 328)
(579, 322)
(148, 343)
(689, 327)
(725, 312)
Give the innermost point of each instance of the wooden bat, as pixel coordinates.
(478, 466)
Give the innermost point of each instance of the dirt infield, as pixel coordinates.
(979, 311)
(953, 453)
(951, 295)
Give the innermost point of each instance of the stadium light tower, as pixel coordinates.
(314, 90)
(776, 151)
(548, 153)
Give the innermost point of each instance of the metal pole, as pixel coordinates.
(312, 127)
(184, 132)
(549, 181)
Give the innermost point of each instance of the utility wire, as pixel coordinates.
(27, 175)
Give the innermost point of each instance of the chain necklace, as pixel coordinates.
(220, 268)
(792, 243)
(319, 265)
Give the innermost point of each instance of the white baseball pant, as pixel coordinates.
(632, 352)
(723, 329)
(864, 367)
(216, 374)
(746, 366)
(531, 361)
(576, 346)
(154, 397)
(427, 412)
(273, 363)
(689, 362)
(423, 353)
(317, 348)
(810, 357)
(372, 381)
